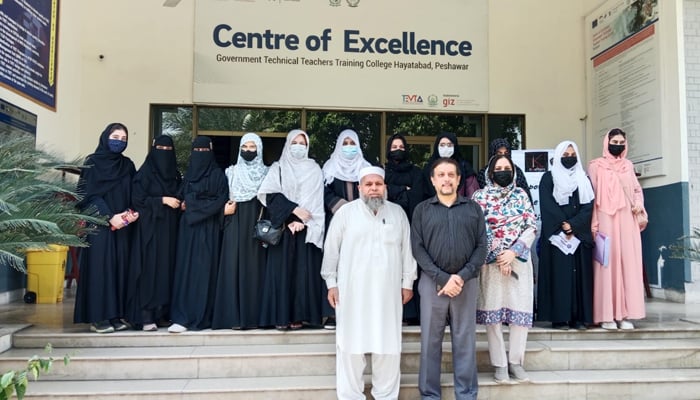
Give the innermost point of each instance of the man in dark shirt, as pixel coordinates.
(448, 239)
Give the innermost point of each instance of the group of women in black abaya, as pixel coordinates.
(180, 251)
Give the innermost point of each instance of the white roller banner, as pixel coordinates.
(358, 54)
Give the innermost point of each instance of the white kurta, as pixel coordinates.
(368, 257)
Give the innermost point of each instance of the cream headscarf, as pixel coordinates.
(340, 167)
(300, 181)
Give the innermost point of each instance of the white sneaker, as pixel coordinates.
(150, 327)
(626, 325)
(611, 326)
(177, 328)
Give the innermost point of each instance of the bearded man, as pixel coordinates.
(369, 270)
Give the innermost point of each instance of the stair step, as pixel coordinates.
(571, 384)
(78, 336)
(190, 362)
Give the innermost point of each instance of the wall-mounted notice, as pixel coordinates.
(358, 54)
(29, 49)
(625, 90)
(16, 120)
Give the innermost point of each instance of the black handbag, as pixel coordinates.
(266, 233)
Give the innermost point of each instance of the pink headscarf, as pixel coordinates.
(609, 195)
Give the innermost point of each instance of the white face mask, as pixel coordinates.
(446, 151)
(297, 150)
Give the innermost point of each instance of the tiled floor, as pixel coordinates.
(59, 317)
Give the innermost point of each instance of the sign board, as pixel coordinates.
(623, 47)
(29, 49)
(332, 54)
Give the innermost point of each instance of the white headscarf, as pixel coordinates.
(566, 181)
(340, 167)
(300, 181)
(245, 177)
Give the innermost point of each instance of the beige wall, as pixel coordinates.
(537, 68)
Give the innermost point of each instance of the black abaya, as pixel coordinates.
(564, 282)
(153, 248)
(204, 191)
(293, 273)
(241, 271)
(105, 184)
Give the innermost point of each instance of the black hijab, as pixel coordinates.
(201, 162)
(159, 173)
(465, 165)
(497, 144)
(392, 165)
(104, 169)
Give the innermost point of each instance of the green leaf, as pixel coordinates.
(7, 379)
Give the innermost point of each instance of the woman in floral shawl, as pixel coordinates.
(506, 283)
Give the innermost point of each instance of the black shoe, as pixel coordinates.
(102, 327)
(330, 323)
(119, 324)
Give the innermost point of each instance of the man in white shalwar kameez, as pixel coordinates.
(369, 270)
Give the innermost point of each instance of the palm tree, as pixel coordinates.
(36, 207)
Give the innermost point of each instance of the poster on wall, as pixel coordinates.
(16, 120)
(29, 49)
(625, 91)
(534, 163)
(359, 54)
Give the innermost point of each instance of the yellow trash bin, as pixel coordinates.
(45, 272)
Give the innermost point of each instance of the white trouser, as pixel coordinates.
(386, 376)
(517, 340)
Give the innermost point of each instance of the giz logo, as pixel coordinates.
(448, 102)
(411, 98)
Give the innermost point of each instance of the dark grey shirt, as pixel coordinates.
(449, 240)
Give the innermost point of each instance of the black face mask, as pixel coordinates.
(248, 155)
(398, 155)
(616, 149)
(503, 178)
(568, 162)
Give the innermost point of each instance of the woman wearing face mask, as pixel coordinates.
(340, 177)
(292, 191)
(506, 280)
(204, 193)
(618, 289)
(155, 190)
(105, 184)
(242, 263)
(446, 146)
(501, 146)
(565, 281)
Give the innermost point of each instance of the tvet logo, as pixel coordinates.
(412, 99)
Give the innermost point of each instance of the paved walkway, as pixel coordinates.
(59, 317)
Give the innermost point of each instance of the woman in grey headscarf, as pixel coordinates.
(292, 191)
(242, 263)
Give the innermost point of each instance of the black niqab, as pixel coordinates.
(159, 172)
(201, 162)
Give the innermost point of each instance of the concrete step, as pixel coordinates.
(192, 362)
(651, 384)
(80, 337)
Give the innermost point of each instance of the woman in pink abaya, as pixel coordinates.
(618, 288)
